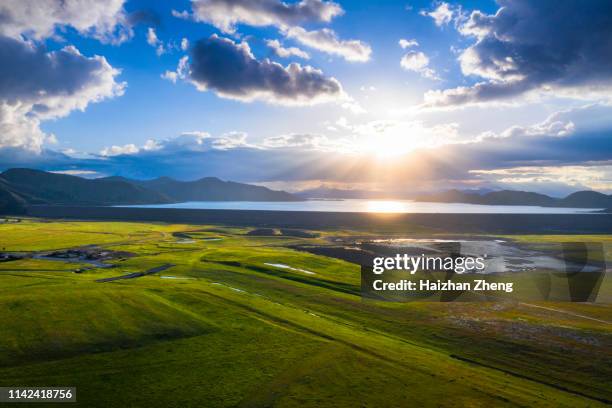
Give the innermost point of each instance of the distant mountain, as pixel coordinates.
(40, 187)
(580, 199)
(213, 189)
(22, 187)
(591, 199)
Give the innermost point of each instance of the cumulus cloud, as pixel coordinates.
(155, 42)
(106, 21)
(327, 41)
(164, 47)
(286, 52)
(572, 146)
(404, 43)
(442, 15)
(37, 85)
(202, 141)
(303, 140)
(414, 61)
(564, 178)
(194, 141)
(231, 70)
(534, 46)
(417, 61)
(567, 139)
(152, 39)
(225, 14)
(182, 71)
(588, 119)
(119, 150)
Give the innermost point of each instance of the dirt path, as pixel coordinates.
(137, 274)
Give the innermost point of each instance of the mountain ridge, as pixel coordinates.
(578, 199)
(20, 187)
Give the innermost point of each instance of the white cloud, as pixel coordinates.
(151, 145)
(225, 14)
(184, 44)
(404, 43)
(119, 150)
(230, 140)
(533, 48)
(296, 140)
(184, 15)
(353, 106)
(59, 81)
(414, 61)
(152, 39)
(48, 93)
(417, 61)
(231, 71)
(171, 76)
(83, 173)
(327, 41)
(591, 118)
(595, 177)
(38, 19)
(193, 141)
(182, 71)
(286, 52)
(442, 15)
(155, 42)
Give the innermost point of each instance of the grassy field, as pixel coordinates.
(224, 326)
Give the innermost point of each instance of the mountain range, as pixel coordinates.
(579, 199)
(20, 188)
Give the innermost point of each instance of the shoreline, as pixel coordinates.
(587, 223)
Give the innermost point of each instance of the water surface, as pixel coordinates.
(371, 206)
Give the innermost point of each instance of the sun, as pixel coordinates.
(387, 151)
(387, 145)
(388, 139)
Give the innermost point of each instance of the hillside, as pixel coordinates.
(22, 187)
(238, 322)
(40, 187)
(580, 199)
(10, 203)
(212, 189)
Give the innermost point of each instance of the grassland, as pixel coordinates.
(224, 327)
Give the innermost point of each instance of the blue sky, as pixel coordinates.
(394, 95)
(152, 107)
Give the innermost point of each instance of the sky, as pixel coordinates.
(395, 96)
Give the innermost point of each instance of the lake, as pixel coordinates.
(370, 206)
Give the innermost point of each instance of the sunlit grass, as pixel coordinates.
(243, 332)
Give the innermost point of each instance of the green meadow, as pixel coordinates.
(226, 326)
